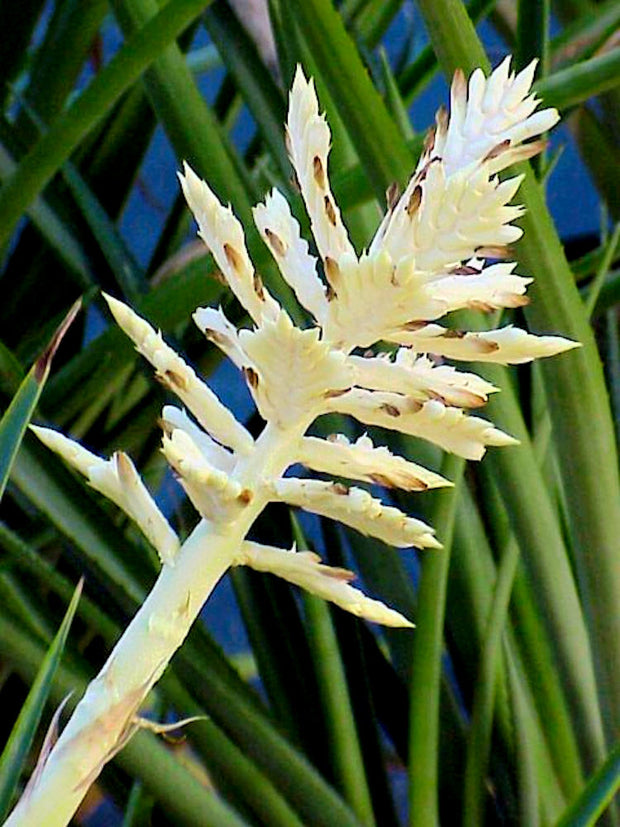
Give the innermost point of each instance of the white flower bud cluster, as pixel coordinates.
(427, 259)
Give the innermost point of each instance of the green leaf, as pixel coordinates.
(424, 757)
(50, 225)
(335, 700)
(20, 21)
(596, 796)
(382, 151)
(183, 796)
(19, 743)
(572, 86)
(613, 245)
(533, 34)
(16, 418)
(585, 439)
(54, 148)
(479, 740)
(252, 79)
(126, 270)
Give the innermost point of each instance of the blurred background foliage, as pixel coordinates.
(503, 706)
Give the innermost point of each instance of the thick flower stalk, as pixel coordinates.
(430, 256)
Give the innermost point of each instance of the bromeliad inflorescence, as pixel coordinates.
(428, 258)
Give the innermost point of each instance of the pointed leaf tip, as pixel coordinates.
(42, 365)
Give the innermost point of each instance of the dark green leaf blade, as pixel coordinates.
(17, 415)
(596, 795)
(23, 732)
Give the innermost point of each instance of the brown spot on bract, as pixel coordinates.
(415, 200)
(329, 210)
(176, 380)
(468, 399)
(497, 150)
(246, 496)
(294, 182)
(429, 140)
(414, 405)
(392, 194)
(340, 489)
(441, 119)
(215, 336)
(431, 394)
(421, 176)
(414, 325)
(318, 171)
(414, 484)
(251, 377)
(465, 270)
(233, 257)
(459, 85)
(529, 150)
(330, 293)
(486, 345)
(382, 479)
(390, 410)
(276, 242)
(483, 307)
(453, 334)
(500, 251)
(258, 287)
(518, 301)
(124, 466)
(335, 393)
(332, 270)
(337, 573)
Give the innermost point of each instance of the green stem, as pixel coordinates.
(426, 665)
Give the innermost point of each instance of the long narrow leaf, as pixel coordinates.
(17, 416)
(574, 85)
(427, 662)
(53, 149)
(596, 796)
(381, 149)
(344, 742)
(183, 796)
(479, 743)
(584, 431)
(19, 743)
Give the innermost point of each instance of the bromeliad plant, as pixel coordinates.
(428, 258)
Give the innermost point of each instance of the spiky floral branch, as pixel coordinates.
(428, 258)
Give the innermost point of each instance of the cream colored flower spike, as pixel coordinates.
(223, 235)
(360, 460)
(303, 568)
(489, 114)
(118, 480)
(427, 259)
(356, 508)
(176, 375)
(280, 232)
(308, 140)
